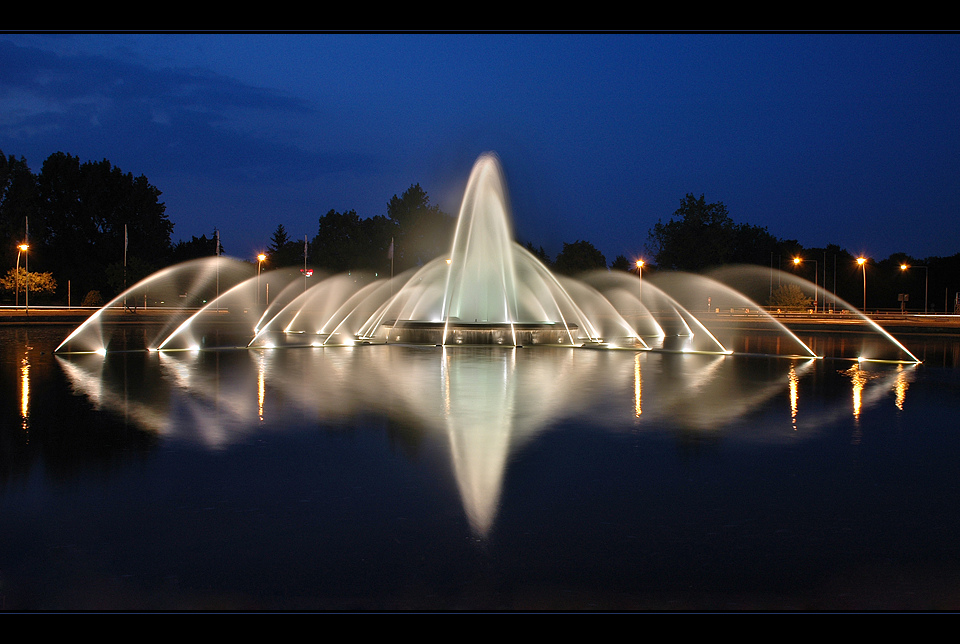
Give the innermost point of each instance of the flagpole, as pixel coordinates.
(124, 266)
(217, 231)
(390, 255)
(26, 263)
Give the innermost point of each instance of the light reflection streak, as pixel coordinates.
(858, 378)
(261, 386)
(637, 387)
(794, 380)
(896, 380)
(481, 404)
(901, 386)
(25, 392)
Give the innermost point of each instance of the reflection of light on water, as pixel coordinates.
(794, 380)
(899, 382)
(261, 385)
(485, 403)
(25, 393)
(637, 386)
(900, 387)
(859, 379)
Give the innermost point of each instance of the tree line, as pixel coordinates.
(79, 219)
(82, 220)
(702, 235)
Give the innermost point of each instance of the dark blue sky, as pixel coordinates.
(851, 139)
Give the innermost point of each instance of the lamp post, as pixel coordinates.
(816, 286)
(640, 276)
(862, 262)
(260, 259)
(926, 282)
(22, 248)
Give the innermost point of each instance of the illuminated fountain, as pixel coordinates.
(488, 291)
(483, 404)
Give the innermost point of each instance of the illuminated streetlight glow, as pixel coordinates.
(862, 262)
(816, 269)
(926, 282)
(640, 263)
(22, 248)
(260, 259)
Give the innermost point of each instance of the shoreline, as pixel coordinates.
(908, 323)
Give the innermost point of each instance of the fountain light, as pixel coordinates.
(494, 288)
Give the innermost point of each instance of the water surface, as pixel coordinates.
(399, 477)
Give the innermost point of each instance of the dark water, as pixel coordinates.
(391, 477)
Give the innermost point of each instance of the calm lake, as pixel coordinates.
(421, 478)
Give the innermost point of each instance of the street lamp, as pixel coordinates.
(260, 259)
(926, 282)
(22, 248)
(862, 262)
(640, 276)
(816, 287)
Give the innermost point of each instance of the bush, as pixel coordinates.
(92, 298)
(790, 297)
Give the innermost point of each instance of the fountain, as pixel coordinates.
(449, 379)
(489, 291)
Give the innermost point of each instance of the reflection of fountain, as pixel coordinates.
(481, 406)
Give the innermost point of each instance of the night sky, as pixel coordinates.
(851, 139)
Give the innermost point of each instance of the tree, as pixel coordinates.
(540, 254)
(196, 248)
(120, 277)
(755, 245)
(18, 200)
(92, 298)
(578, 257)
(40, 283)
(344, 241)
(424, 232)
(790, 297)
(698, 235)
(91, 215)
(284, 251)
(621, 263)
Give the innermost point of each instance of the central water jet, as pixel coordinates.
(493, 290)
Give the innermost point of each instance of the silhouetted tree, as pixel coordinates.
(18, 201)
(578, 257)
(698, 235)
(424, 232)
(90, 215)
(540, 254)
(196, 248)
(284, 251)
(344, 241)
(621, 263)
